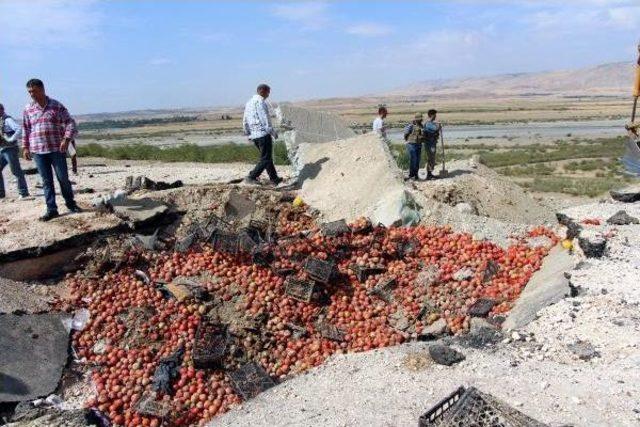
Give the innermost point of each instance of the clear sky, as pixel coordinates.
(100, 56)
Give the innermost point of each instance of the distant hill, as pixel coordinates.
(603, 80)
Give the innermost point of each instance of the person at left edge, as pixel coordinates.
(47, 131)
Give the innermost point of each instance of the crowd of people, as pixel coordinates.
(48, 135)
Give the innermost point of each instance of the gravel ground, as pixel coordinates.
(18, 296)
(537, 370)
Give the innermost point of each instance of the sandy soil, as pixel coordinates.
(535, 370)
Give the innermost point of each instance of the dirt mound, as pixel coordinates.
(487, 194)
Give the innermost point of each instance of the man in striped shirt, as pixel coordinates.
(47, 131)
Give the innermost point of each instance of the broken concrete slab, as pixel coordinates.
(34, 353)
(139, 213)
(238, 207)
(353, 178)
(629, 194)
(547, 286)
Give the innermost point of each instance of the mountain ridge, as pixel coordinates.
(611, 79)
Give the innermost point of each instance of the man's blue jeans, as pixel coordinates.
(9, 156)
(46, 164)
(414, 151)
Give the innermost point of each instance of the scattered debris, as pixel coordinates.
(622, 218)
(143, 183)
(364, 272)
(481, 334)
(149, 406)
(166, 371)
(584, 350)
(481, 307)
(335, 228)
(593, 244)
(434, 330)
(400, 321)
(139, 213)
(428, 276)
(445, 355)
(573, 228)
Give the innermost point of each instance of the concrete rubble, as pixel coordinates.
(34, 353)
(342, 175)
(547, 286)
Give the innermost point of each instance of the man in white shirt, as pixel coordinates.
(10, 133)
(379, 125)
(258, 128)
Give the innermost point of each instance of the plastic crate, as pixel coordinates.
(363, 273)
(225, 242)
(319, 270)
(263, 257)
(384, 289)
(147, 405)
(250, 380)
(301, 290)
(210, 345)
(283, 272)
(329, 331)
(335, 228)
(247, 243)
(185, 243)
(408, 248)
(471, 407)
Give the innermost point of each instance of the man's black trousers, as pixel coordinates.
(265, 145)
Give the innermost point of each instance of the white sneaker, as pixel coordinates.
(25, 198)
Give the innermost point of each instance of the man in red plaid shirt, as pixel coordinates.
(47, 131)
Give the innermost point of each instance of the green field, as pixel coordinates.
(576, 167)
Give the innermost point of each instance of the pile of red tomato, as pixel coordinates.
(123, 367)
